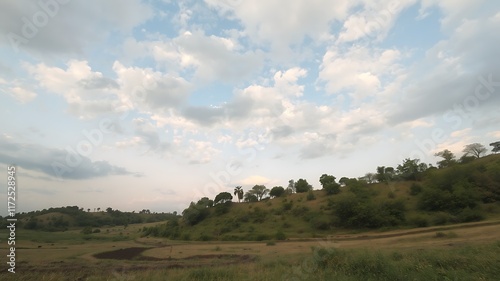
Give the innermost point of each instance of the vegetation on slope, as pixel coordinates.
(412, 195)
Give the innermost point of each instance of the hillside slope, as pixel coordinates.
(461, 193)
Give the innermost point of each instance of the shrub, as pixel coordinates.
(441, 218)
(419, 221)
(332, 188)
(280, 235)
(320, 224)
(310, 195)
(97, 230)
(222, 208)
(261, 237)
(87, 230)
(470, 215)
(205, 237)
(415, 189)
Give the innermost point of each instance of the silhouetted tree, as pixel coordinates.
(238, 191)
(474, 149)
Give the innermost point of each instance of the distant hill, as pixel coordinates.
(460, 193)
(64, 218)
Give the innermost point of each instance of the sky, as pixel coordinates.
(153, 104)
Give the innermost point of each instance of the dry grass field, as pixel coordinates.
(121, 254)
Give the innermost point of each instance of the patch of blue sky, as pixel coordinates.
(213, 94)
(412, 32)
(160, 25)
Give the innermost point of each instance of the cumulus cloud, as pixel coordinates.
(272, 22)
(88, 93)
(208, 57)
(148, 135)
(66, 27)
(360, 71)
(444, 80)
(56, 163)
(146, 89)
(22, 95)
(374, 20)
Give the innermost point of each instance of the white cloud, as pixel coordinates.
(67, 28)
(253, 180)
(359, 71)
(209, 57)
(495, 134)
(200, 152)
(449, 75)
(280, 25)
(374, 20)
(22, 95)
(87, 93)
(146, 89)
(461, 133)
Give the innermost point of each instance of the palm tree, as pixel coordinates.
(238, 191)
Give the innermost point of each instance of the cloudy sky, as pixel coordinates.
(153, 104)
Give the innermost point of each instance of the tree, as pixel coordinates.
(291, 187)
(380, 175)
(411, 169)
(250, 197)
(343, 181)
(474, 149)
(329, 184)
(496, 146)
(205, 202)
(88, 210)
(369, 177)
(223, 197)
(302, 186)
(98, 209)
(326, 179)
(384, 174)
(195, 213)
(448, 158)
(259, 191)
(238, 191)
(277, 191)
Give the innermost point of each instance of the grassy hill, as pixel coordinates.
(70, 217)
(461, 193)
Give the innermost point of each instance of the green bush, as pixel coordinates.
(222, 208)
(332, 188)
(441, 218)
(287, 205)
(419, 221)
(415, 189)
(280, 235)
(205, 237)
(310, 196)
(470, 215)
(320, 224)
(87, 230)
